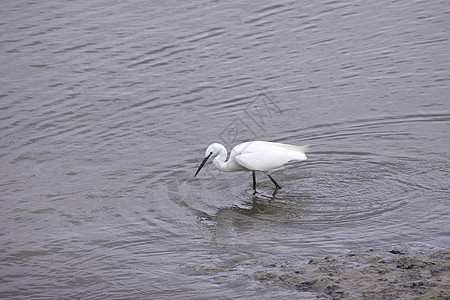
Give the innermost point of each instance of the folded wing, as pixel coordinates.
(264, 156)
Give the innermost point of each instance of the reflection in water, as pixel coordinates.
(260, 211)
(106, 108)
(260, 204)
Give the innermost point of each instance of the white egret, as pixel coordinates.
(254, 156)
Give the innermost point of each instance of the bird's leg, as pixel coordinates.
(274, 182)
(254, 179)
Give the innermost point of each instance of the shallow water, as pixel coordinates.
(107, 109)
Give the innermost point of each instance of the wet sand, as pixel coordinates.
(400, 272)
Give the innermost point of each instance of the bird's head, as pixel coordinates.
(213, 150)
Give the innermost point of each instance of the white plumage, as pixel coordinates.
(254, 156)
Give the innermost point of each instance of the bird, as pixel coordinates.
(254, 156)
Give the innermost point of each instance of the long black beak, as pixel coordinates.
(202, 164)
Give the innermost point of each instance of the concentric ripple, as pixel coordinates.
(352, 187)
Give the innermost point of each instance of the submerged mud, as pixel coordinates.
(374, 273)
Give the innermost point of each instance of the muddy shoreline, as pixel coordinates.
(386, 272)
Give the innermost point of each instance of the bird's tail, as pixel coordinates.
(302, 149)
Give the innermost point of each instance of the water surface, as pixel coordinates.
(106, 109)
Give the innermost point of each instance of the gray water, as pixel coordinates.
(107, 107)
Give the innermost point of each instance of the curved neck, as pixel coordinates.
(219, 160)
